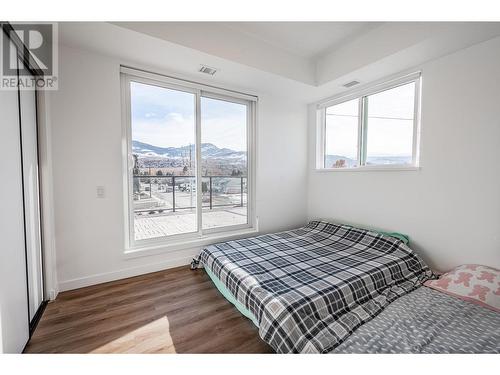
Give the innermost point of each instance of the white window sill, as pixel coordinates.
(378, 168)
(165, 246)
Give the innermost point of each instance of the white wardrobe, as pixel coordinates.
(21, 260)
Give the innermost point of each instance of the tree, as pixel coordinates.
(135, 172)
(340, 163)
(136, 164)
(204, 187)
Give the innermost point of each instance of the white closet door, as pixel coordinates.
(31, 199)
(13, 294)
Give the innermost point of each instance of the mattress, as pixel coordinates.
(423, 321)
(310, 288)
(227, 295)
(427, 321)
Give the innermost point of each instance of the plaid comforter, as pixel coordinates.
(311, 287)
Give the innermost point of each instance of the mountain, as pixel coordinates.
(330, 160)
(208, 150)
(384, 160)
(145, 149)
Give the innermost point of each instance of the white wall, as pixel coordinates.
(451, 207)
(86, 152)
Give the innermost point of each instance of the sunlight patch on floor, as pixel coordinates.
(153, 337)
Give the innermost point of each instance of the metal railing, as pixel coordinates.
(192, 187)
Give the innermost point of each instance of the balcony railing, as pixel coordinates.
(211, 185)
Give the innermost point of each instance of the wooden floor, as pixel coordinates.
(173, 311)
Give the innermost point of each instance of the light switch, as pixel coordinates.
(100, 192)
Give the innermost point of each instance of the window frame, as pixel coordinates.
(200, 236)
(362, 95)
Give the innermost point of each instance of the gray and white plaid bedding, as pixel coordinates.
(311, 287)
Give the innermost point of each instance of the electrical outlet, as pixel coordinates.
(100, 192)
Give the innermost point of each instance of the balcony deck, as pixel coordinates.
(165, 205)
(170, 223)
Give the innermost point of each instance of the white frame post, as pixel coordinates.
(416, 122)
(360, 133)
(199, 196)
(320, 137)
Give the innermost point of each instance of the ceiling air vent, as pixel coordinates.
(207, 70)
(350, 84)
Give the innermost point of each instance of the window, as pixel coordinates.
(189, 159)
(376, 127)
(341, 135)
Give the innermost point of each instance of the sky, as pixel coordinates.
(166, 118)
(390, 124)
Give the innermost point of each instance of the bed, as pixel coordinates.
(427, 321)
(307, 290)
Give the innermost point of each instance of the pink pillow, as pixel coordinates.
(471, 282)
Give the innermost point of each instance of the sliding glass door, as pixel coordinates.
(188, 160)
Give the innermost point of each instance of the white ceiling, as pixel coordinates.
(286, 48)
(305, 39)
(315, 53)
(307, 66)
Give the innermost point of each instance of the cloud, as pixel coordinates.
(177, 117)
(166, 118)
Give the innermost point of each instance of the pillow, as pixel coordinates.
(400, 236)
(472, 283)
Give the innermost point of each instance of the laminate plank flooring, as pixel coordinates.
(172, 311)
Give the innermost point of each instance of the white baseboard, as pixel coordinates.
(53, 294)
(123, 274)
